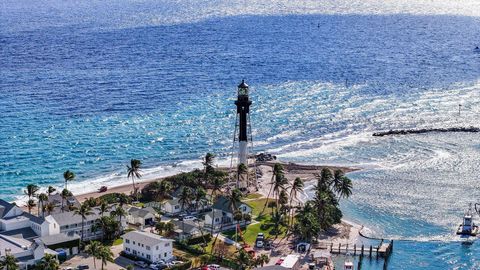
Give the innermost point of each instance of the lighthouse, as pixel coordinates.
(243, 109)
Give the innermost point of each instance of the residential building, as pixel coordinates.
(149, 246)
(222, 214)
(186, 229)
(141, 216)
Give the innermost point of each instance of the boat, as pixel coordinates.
(468, 227)
(348, 265)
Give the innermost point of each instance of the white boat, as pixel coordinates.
(468, 227)
(348, 265)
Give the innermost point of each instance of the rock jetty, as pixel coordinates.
(425, 130)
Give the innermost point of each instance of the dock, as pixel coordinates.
(383, 249)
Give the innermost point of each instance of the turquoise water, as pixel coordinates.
(88, 85)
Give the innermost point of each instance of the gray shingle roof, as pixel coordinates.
(141, 212)
(26, 233)
(190, 226)
(223, 204)
(5, 207)
(58, 238)
(146, 238)
(69, 217)
(33, 218)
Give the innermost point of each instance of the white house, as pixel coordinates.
(149, 246)
(171, 207)
(222, 214)
(141, 216)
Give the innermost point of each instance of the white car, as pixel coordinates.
(189, 218)
(214, 266)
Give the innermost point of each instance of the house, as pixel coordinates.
(186, 229)
(173, 206)
(19, 234)
(149, 246)
(221, 215)
(68, 202)
(141, 216)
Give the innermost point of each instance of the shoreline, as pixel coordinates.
(292, 169)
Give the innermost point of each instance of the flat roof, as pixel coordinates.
(290, 261)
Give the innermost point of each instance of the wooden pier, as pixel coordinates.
(383, 249)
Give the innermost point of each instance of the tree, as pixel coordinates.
(30, 192)
(103, 208)
(50, 190)
(130, 267)
(84, 211)
(297, 187)
(261, 260)
(31, 204)
(160, 227)
(342, 184)
(244, 260)
(277, 170)
(42, 198)
(204, 259)
(48, 262)
(49, 207)
(93, 249)
(185, 198)
(105, 255)
(65, 194)
(68, 176)
(9, 262)
(208, 166)
(241, 170)
(119, 212)
(200, 196)
(133, 171)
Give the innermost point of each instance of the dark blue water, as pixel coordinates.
(88, 87)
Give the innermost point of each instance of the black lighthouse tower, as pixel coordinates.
(243, 109)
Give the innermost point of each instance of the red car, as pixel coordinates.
(280, 261)
(102, 189)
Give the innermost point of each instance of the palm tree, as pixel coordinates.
(160, 227)
(30, 192)
(242, 170)
(279, 185)
(50, 190)
(119, 212)
(169, 228)
(234, 198)
(9, 262)
(84, 211)
(105, 255)
(103, 208)
(277, 169)
(42, 198)
(344, 188)
(93, 249)
(208, 165)
(185, 197)
(262, 259)
(68, 176)
(297, 187)
(49, 262)
(200, 195)
(31, 204)
(133, 171)
(49, 207)
(65, 194)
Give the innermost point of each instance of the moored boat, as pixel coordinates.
(468, 227)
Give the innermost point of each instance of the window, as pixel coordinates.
(138, 244)
(127, 241)
(142, 245)
(134, 242)
(217, 219)
(176, 206)
(157, 247)
(167, 244)
(165, 254)
(148, 257)
(148, 247)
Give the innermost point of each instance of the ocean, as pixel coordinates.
(88, 85)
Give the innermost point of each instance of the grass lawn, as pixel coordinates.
(251, 232)
(257, 206)
(253, 196)
(117, 242)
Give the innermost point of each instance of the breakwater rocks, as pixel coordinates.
(425, 130)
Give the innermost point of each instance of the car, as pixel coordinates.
(83, 266)
(280, 261)
(205, 267)
(214, 266)
(189, 218)
(102, 189)
(260, 235)
(267, 245)
(141, 264)
(259, 243)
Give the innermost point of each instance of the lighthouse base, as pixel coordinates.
(242, 153)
